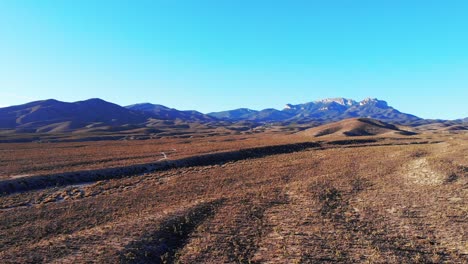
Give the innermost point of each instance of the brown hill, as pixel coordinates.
(355, 127)
(443, 127)
(457, 128)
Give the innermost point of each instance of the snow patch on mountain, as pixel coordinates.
(341, 101)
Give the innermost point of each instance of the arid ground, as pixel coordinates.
(262, 198)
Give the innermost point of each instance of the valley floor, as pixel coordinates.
(347, 202)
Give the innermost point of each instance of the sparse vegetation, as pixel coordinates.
(348, 200)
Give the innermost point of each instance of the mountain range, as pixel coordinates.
(56, 116)
(326, 110)
(165, 113)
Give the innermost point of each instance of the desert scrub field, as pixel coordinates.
(24, 159)
(349, 202)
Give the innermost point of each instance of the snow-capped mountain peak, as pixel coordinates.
(341, 101)
(288, 106)
(373, 101)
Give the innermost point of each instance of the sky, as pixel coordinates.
(213, 55)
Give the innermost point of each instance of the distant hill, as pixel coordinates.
(165, 113)
(355, 127)
(235, 115)
(55, 116)
(326, 110)
(457, 128)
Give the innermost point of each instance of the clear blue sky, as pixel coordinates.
(224, 54)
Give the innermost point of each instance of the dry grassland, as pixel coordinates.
(349, 202)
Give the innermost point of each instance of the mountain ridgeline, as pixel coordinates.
(326, 110)
(52, 116)
(55, 116)
(165, 113)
